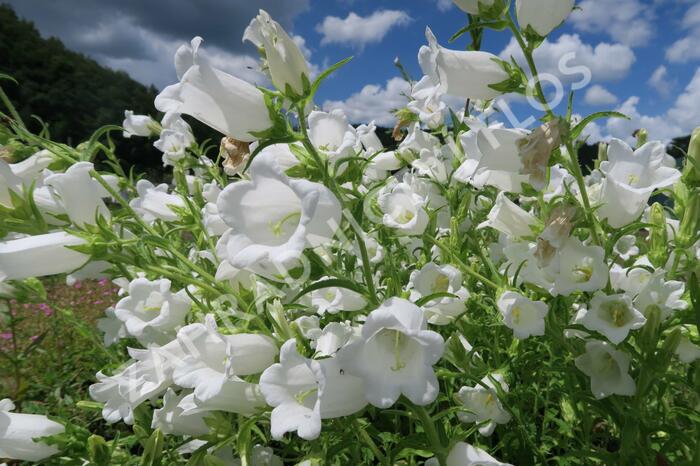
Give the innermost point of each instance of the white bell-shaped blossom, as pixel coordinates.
(138, 125)
(331, 133)
(510, 219)
(464, 74)
(283, 58)
(580, 268)
(432, 279)
(113, 328)
(147, 377)
(612, 315)
(427, 103)
(230, 105)
(79, 193)
(171, 420)
(212, 364)
(303, 391)
(543, 16)
(472, 6)
(403, 209)
(463, 454)
(394, 355)
(608, 369)
(665, 294)
(40, 255)
(152, 312)
(522, 315)
(335, 299)
(687, 351)
(154, 202)
(626, 247)
(274, 218)
(368, 137)
(483, 402)
(18, 431)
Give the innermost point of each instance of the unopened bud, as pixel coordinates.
(536, 149)
(659, 236)
(602, 154)
(690, 223)
(236, 154)
(691, 172)
(649, 335)
(670, 346)
(642, 136)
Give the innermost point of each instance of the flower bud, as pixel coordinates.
(649, 334)
(691, 172)
(642, 136)
(669, 347)
(690, 223)
(285, 62)
(542, 16)
(659, 236)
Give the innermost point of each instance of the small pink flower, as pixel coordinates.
(6, 336)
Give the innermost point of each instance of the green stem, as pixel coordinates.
(531, 63)
(464, 267)
(366, 438)
(11, 108)
(578, 174)
(430, 432)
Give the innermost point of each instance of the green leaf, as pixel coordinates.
(153, 449)
(98, 450)
(430, 297)
(321, 77)
(578, 129)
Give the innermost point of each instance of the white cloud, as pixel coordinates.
(677, 121)
(660, 81)
(358, 31)
(598, 95)
(373, 102)
(606, 62)
(444, 5)
(626, 21)
(688, 48)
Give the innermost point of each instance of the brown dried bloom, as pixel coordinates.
(236, 155)
(536, 149)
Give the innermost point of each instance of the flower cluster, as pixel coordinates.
(316, 297)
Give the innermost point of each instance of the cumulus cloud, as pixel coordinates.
(373, 102)
(358, 31)
(627, 21)
(660, 81)
(679, 120)
(140, 37)
(598, 95)
(688, 48)
(444, 5)
(569, 57)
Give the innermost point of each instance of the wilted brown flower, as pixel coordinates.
(236, 155)
(536, 149)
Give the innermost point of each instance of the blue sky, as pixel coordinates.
(644, 55)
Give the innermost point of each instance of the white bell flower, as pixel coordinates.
(608, 369)
(432, 279)
(171, 420)
(510, 219)
(559, 180)
(641, 170)
(368, 137)
(18, 431)
(212, 363)
(687, 351)
(274, 218)
(303, 391)
(415, 141)
(403, 209)
(138, 125)
(113, 328)
(79, 193)
(152, 312)
(147, 377)
(427, 103)
(463, 454)
(154, 202)
(666, 295)
(543, 16)
(580, 268)
(522, 315)
(30, 169)
(217, 99)
(283, 58)
(612, 315)
(626, 247)
(331, 133)
(482, 400)
(261, 456)
(40, 255)
(335, 299)
(394, 355)
(472, 6)
(632, 279)
(334, 336)
(464, 74)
